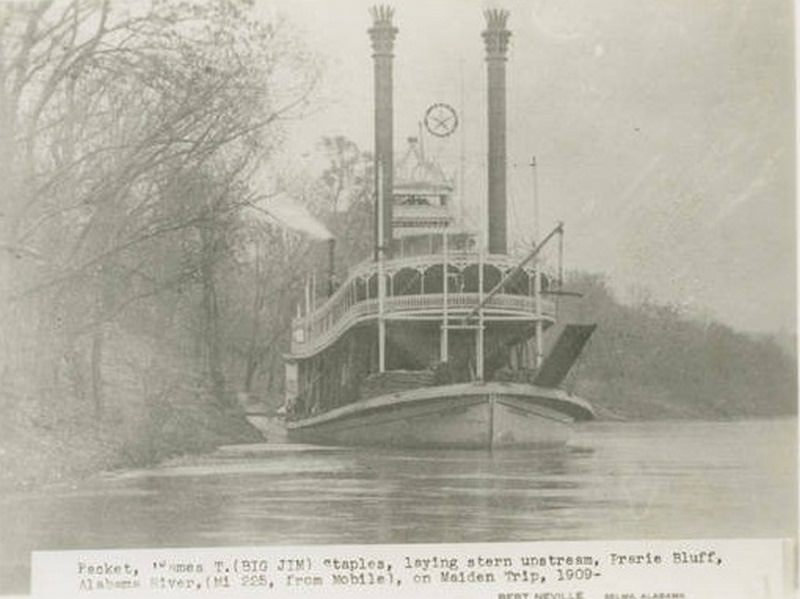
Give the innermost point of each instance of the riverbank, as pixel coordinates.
(70, 442)
(38, 448)
(648, 361)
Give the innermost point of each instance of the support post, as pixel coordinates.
(444, 340)
(313, 291)
(479, 333)
(537, 273)
(308, 295)
(381, 250)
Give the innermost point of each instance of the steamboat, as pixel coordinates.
(441, 339)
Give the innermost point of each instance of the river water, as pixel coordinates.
(613, 480)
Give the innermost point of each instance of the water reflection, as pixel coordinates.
(614, 481)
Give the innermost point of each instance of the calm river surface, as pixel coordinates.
(614, 480)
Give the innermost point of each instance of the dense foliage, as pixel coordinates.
(650, 361)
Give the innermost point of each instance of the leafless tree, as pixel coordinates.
(128, 137)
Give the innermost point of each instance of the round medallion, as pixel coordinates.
(441, 120)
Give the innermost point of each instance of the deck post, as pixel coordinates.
(537, 274)
(381, 279)
(307, 290)
(479, 332)
(444, 350)
(313, 291)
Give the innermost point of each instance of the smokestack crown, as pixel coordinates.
(496, 35)
(382, 32)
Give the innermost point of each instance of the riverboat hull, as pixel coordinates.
(468, 415)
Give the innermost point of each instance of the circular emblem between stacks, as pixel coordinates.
(441, 119)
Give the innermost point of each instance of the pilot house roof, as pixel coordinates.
(415, 173)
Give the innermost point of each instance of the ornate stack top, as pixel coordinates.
(496, 35)
(382, 32)
(382, 15)
(496, 18)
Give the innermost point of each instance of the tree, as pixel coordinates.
(348, 198)
(129, 138)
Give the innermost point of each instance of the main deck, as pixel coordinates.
(468, 415)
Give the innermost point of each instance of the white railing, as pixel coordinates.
(312, 335)
(351, 303)
(344, 297)
(456, 258)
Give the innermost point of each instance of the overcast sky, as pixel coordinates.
(663, 130)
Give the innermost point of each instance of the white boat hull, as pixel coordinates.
(471, 415)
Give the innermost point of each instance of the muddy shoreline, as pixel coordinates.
(34, 452)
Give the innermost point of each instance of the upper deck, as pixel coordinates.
(415, 290)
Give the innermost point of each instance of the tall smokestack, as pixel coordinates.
(496, 39)
(382, 34)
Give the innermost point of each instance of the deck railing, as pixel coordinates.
(349, 306)
(459, 259)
